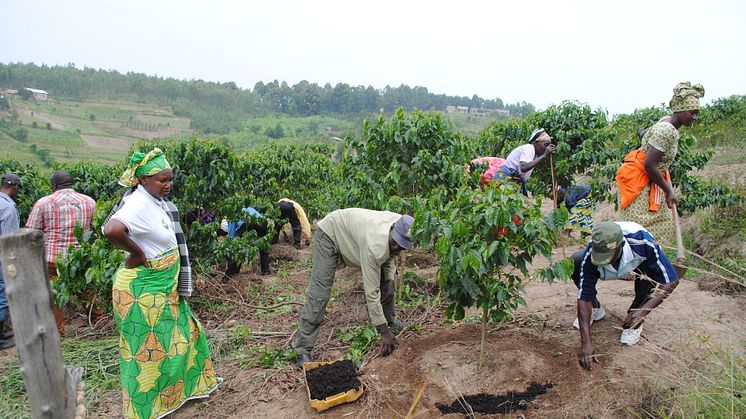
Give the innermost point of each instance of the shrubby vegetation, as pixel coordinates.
(222, 107)
(411, 163)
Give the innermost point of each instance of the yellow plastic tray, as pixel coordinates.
(331, 401)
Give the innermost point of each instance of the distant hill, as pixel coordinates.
(222, 107)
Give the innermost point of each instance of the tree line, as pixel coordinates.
(221, 107)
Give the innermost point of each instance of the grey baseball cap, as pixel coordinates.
(11, 179)
(400, 232)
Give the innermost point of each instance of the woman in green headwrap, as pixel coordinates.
(647, 177)
(164, 357)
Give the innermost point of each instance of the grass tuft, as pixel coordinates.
(99, 358)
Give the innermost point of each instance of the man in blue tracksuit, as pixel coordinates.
(616, 250)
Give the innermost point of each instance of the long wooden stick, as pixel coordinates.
(554, 198)
(416, 401)
(702, 258)
(680, 252)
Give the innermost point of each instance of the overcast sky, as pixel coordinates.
(619, 55)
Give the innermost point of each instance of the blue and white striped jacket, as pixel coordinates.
(640, 252)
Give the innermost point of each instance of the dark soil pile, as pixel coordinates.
(331, 379)
(491, 404)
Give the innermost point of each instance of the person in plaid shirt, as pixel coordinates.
(56, 215)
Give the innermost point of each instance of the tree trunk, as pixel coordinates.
(484, 335)
(51, 387)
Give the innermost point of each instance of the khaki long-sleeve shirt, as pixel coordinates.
(362, 237)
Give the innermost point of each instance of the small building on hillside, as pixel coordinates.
(457, 109)
(39, 94)
(477, 111)
(8, 92)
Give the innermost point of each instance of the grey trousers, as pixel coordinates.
(325, 258)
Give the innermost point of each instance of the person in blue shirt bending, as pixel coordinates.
(616, 250)
(232, 229)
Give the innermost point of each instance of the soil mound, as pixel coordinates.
(491, 404)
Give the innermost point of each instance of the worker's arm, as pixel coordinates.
(635, 317)
(589, 275)
(526, 166)
(587, 353)
(372, 286)
(117, 232)
(652, 160)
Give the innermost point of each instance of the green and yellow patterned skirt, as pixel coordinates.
(164, 358)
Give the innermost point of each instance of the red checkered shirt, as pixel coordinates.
(57, 215)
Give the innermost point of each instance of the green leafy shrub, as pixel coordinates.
(408, 155)
(485, 242)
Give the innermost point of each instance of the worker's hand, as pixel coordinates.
(680, 267)
(134, 260)
(634, 318)
(388, 340)
(587, 355)
(550, 149)
(671, 199)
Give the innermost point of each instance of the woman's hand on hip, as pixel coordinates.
(134, 260)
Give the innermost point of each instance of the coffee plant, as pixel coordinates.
(396, 159)
(485, 241)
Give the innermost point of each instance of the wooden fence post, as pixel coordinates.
(52, 387)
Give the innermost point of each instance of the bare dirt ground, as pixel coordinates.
(160, 133)
(538, 345)
(45, 118)
(442, 358)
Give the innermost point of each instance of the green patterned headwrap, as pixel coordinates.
(686, 97)
(142, 164)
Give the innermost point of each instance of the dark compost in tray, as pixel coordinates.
(331, 379)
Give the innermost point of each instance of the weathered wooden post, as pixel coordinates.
(52, 387)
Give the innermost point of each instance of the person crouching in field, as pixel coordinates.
(493, 166)
(255, 222)
(294, 213)
(617, 249)
(361, 238)
(578, 201)
(521, 162)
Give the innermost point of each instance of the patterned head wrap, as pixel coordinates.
(142, 164)
(686, 97)
(539, 135)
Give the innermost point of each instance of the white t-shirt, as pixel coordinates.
(148, 222)
(523, 154)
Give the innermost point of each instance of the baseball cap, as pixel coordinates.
(606, 239)
(400, 232)
(11, 179)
